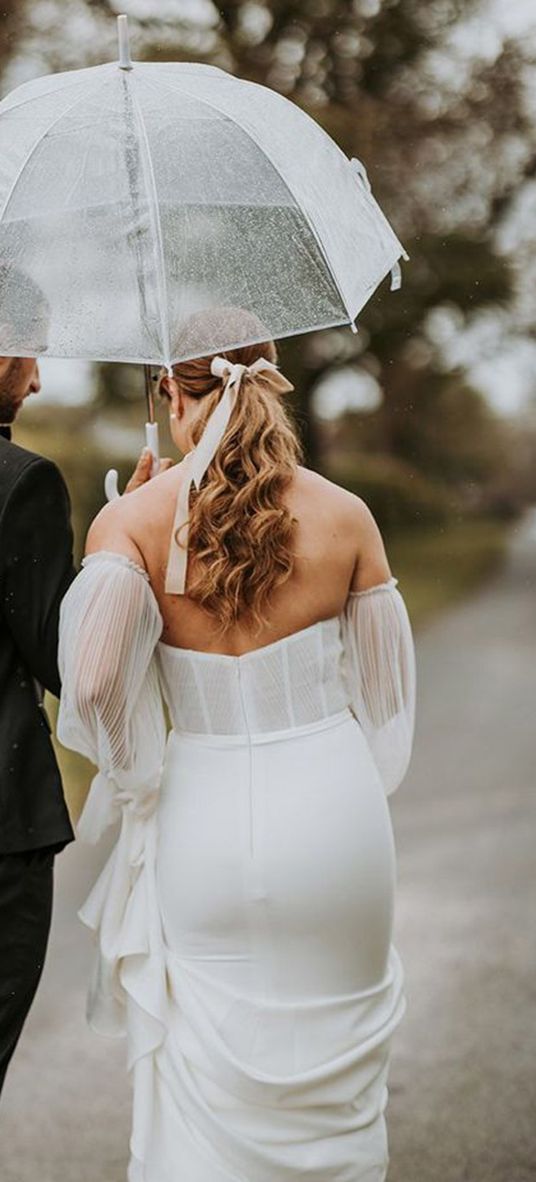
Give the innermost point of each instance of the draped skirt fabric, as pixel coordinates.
(275, 876)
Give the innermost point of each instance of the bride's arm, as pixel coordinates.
(379, 656)
(109, 627)
(106, 620)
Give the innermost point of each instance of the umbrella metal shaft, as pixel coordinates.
(151, 426)
(149, 393)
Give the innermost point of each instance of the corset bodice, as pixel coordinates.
(290, 683)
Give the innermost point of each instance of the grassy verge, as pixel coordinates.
(437, 566)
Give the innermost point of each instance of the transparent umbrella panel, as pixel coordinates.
(133, 199)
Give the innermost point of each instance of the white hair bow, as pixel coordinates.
(198, 461)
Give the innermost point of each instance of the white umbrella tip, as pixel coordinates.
(125, 61)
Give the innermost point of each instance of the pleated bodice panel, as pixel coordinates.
(294, 681)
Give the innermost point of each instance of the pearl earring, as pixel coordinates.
(173, 415)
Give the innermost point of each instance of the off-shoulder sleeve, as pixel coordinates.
(380, 670)
(111, 709)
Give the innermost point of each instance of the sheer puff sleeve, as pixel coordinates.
(111, 711)
(380, 671)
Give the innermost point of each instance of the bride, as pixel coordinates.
(244, 918)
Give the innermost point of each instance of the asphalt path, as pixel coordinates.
(462, 1104)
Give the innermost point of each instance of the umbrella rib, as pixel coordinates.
(251, 136)
(5, 110)
(33, 150)
(157, 230)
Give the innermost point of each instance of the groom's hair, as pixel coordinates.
(23, 312)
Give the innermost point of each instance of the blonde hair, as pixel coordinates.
(241, 532)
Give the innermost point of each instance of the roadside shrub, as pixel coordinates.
(398, 496)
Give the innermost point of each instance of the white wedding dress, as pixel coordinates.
(244, 918)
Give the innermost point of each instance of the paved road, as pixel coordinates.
(463, 1077)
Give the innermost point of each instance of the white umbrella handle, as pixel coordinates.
(111, 486)
(152, 440)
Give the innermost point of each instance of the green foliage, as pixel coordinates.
(82, 464)
(346, 47)
(399, 496)
(444, 427)
(461, 271)
(439, 566)
(11, 14)
(120, 383)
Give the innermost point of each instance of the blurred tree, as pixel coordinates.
(366, 70)
(11, 14)
(442, 118)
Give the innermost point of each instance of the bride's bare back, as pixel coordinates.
(338, 548)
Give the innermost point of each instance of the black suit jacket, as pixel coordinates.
(36, 568)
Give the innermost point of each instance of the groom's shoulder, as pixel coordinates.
(16, 461)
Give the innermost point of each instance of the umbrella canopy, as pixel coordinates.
(134, 196)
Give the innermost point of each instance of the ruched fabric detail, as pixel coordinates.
(274, 1091)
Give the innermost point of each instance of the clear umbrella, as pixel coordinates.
(137, 195)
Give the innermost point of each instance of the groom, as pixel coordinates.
(36, 568)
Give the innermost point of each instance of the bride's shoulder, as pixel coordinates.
(323, 494)
(110, 533)
(119, 527)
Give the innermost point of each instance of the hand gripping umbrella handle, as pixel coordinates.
(151, 437)
(111, 488)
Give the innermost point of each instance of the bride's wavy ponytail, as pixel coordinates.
(241, 533)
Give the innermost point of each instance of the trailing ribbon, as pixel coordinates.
(198, 461)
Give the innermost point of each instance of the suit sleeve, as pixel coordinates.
(36, 566)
